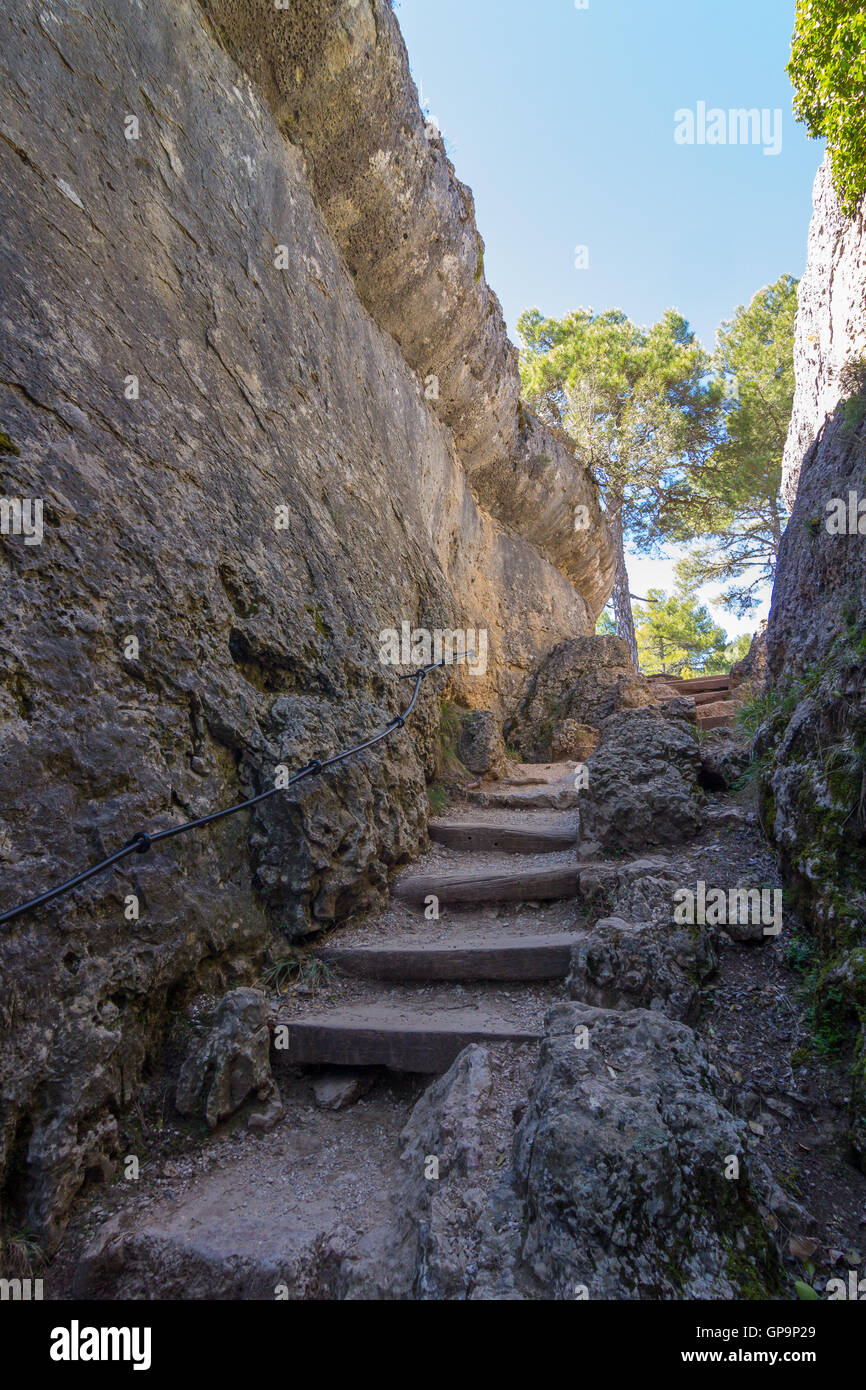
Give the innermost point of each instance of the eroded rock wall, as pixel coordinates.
(336, 75)
(186, 360)
(813, 745)
(831, 322)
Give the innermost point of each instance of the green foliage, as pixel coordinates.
(451, 775)
(828, 70)
(757, 710)
(734, 509)
(738, 648)
(676, 636)
(640, 407)
(800, 953)
(852, 381)
(438, 798)
(636, 402)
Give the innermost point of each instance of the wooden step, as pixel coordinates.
(507, 838)
(500, 958)
(718, 721)
(701, 683)
(490, 885)
(722, 708)
(711, 697)
(394, 1036)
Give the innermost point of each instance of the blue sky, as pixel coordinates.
(562, 122)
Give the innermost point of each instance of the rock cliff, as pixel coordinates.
(216, 336)
(813, 744)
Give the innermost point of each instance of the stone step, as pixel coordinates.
(494, 958)
(507, 838)
(520, 884)
(396, 1036)
(518, 796)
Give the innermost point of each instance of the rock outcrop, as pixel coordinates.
(638, 965)
(642, 782)
(831, 324)
(752, 669)
(336, 75)
(580, 683)
(231, 1061)
(812, 748)
(480, 745)
(244, 482)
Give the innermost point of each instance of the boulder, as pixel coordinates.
(621, 1185)
(582, 681)
(643, 782)
(480, 745)
(231, 1062)
(634, 965)
(339, 1087)
(640, 890)
(451, 1159)
(572, 741)
(725, 757)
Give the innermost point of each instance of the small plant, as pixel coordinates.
(22, 1254)
(297, 967)
(756, 711)
(800, 953)
(804, 1287)
(438, 798)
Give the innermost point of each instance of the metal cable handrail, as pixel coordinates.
(142, 842)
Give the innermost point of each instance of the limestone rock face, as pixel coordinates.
(244, 483)
(831, 323)
(618, 1186)
(480, 745)
(812, 745)
(643, 782)
(752, 669)
(582, 681)
(336, 75)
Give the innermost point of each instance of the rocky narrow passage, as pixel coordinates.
(535, 1166)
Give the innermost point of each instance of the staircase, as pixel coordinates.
(414, 990)
(715, 698)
